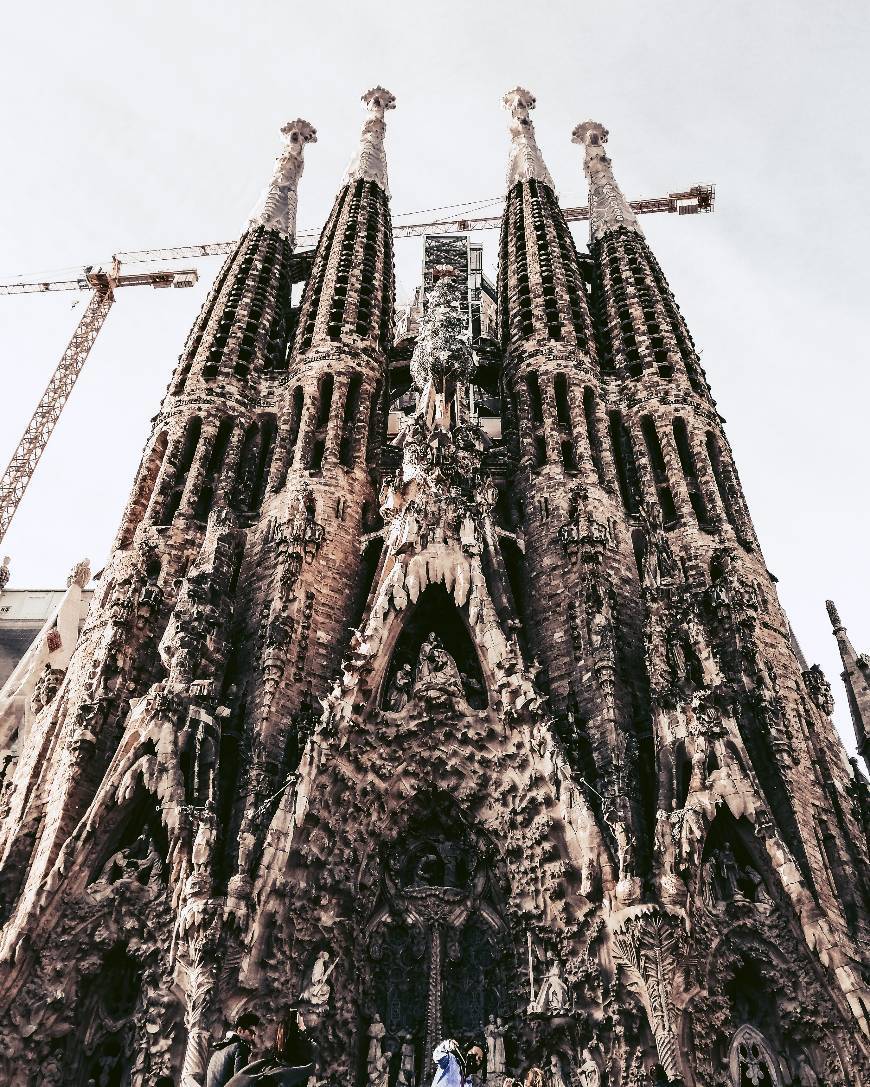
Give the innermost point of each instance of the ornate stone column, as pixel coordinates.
(647, 945)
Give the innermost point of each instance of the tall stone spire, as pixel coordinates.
(525, 162)
(276, 208)
(856, 677)
(538, 259)
(609, 210)
(243, 325)
(370, 161)
(351, 288)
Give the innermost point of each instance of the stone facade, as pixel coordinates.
(496, 733)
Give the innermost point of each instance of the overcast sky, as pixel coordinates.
(135, 125)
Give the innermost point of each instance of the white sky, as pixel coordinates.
(149, 124)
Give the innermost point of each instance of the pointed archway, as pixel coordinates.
(436, 613)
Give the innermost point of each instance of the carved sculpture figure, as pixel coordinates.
(436, 668)
(552, 997)
(317, 990)
(806, 1075)
(379, 1072)
(728, 871)
(400, 688)
(407, 1061)
(80, 574)
(589, 1073)
(494, 1033)
(376, 1033)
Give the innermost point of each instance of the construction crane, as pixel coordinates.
(700, 198)
(103, 284)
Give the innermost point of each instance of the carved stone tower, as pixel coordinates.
(436, 686)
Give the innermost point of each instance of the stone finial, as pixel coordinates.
(370, 161)
(608, 208)
(525, 161)
(80, 574)
(833, 615)
(276, 208)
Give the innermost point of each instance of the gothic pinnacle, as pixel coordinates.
(370, 161)
(608, 208)
(525, 161)
(856, 677)
(276, 208)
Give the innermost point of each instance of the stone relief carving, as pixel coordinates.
(317, 989)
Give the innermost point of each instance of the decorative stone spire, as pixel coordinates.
(525, 162)
(276, 208)
(856, 677)
(609, 210)
(370, 161)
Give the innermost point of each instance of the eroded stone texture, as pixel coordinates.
(493, 733)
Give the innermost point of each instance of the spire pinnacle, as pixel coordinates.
(856, 677)
(276, 208)
(525, 161)
(608, 208)
(370, 161)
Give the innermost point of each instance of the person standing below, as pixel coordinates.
(291, 1062)
(233, 1052)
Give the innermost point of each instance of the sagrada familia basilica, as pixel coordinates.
(436, 686)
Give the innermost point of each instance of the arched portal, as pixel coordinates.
(437, 946)
(435, 613)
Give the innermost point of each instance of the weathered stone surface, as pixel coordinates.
(501, 739)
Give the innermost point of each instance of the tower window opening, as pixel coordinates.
(595, 445)
(563, 409)
(295, 420)
(687, 460)
(377, 421)
(148, 474)
(246, 474)
(626, 468)
(659, 469)
(188, 451)
(215, 461)
(266, 450)
(349, 422)
(715, 456)
(535, 402)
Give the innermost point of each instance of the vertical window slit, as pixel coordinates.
(659, 471)
(626, 468)
(348, 426)
(687, 460)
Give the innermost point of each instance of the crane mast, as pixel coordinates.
(102, 284)
(31, 446)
